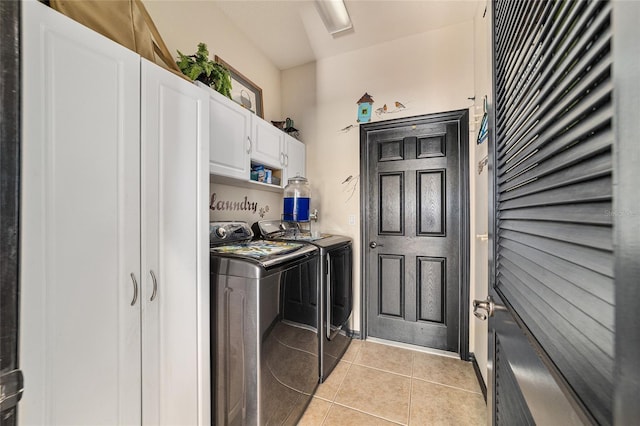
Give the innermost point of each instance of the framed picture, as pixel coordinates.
(243, 90)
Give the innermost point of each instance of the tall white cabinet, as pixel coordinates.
(113, 187)
(80, 225)
(175, 249)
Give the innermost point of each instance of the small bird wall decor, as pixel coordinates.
(384, 109)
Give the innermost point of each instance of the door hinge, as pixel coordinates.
(11, 389)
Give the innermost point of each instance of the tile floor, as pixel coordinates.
(377, 384)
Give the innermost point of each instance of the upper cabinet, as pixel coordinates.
(268, 147)
(230, 138)
(238, 139)
(295, 158)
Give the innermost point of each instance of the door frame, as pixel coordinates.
(626, 212)
(10, 143)
(462, 117)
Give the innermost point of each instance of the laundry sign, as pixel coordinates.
(228, 202)
(244, 204)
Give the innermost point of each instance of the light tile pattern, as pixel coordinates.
(377, 384)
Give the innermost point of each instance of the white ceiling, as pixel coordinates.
(291, 33)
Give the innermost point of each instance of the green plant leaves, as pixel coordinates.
(200, 67)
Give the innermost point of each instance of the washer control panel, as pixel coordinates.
(228, 232)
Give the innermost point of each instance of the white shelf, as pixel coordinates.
(251, 184)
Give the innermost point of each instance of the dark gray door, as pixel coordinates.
(551, 338)
(413, 229)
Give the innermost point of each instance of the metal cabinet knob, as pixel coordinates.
(373, 244)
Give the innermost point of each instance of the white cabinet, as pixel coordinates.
(230, 136)
(80, 225)
(112, 188)
(175, 250)
(239, 139)
(268, 144)
(294, 158)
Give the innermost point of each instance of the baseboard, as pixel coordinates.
(476, 368)
(354, 334)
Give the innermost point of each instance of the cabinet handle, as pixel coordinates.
(282, 158)
(286, 160)
(249, 149)
(328, 301)
(135, 289)
(155, 285)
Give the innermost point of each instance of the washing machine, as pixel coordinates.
(264, 313)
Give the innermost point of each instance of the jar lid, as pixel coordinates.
(298, 179)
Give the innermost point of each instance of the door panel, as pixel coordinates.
(391, 205)
(430, 193)
(80, 236)
(295, 158)
(391, 285)
(413, 237)
(551, 198)
(522, 389)
(229, 137)
(340, 275)
(268, 144)
(431, 288)
(174, 327)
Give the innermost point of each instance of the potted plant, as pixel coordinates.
(200, 67)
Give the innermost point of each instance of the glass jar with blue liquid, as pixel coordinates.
(297, 195)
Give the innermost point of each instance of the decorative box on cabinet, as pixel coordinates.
(100, 211)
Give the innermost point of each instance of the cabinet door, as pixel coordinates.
(175, 255)
(80, 225)
(230, 137)
(268, 144)
(295, 158)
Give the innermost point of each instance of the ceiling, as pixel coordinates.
(291, 33)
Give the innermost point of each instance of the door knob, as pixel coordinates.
(485, 305)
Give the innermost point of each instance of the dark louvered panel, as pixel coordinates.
(553, 135)
(511, 407)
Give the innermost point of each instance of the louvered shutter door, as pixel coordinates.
(553, 135)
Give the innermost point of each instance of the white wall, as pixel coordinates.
(428, 73)
(184, 24)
